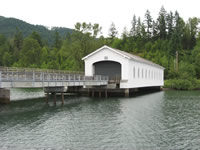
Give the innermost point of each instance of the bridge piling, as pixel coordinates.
(47, 98)
(54, 98)
(88, 92)
(100, 93)
(126, 92)
(106, 93)
(63, 98)
(92, 92)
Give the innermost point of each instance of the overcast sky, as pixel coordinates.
(65, 13)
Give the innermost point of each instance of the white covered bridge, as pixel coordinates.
(130, 71)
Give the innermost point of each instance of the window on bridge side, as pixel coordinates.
(142, 73)
(134, 72)
(138, 72)
(149, 74)
(145, 73)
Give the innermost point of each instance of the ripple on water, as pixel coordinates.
(163, 120)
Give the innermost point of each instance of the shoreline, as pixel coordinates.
(172, 89)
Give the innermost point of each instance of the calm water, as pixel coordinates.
(162, 120)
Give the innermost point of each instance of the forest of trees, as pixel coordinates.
(8, 28)
(160, 41)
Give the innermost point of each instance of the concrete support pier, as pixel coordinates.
(54, 100)
(126, 92)
(63, 97)
(4, 96)
(106, 93)
(47, 98)
(55, 90)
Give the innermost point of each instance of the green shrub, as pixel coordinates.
(198, 84)
(168, 84)
(182, 84)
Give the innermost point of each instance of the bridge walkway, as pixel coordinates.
(30, 78)
(57, 81)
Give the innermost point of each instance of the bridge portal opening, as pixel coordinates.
(111, 69)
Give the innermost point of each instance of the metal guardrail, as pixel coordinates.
(40, 75)
(16, 69)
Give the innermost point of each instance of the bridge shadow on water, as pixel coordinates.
(144, 91)
(33, 112)
(29, 110)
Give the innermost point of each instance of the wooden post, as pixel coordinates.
(54, 98)
(99, 93)
(106, 93)
(47, 98)
(92, 92)
(126, 92)
(63, 98)
(89, 92)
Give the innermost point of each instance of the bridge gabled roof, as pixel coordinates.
(126, 55)
(107, 47)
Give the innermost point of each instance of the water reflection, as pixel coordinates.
(25, 93)
(162, 120)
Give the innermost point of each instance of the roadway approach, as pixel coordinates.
(52, 81)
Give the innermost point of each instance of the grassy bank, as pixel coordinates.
(182, 84)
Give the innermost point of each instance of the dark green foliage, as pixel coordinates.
(57, 40)
(161, 23)
(8, 28)
(31, 53)
(148, 23)
(182, 84)
(37, 37)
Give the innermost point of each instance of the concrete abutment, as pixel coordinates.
(4, 96)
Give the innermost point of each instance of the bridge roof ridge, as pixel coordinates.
(126, 55)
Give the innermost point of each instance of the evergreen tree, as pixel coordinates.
(193, 23)
(154, 30)
(148, 23)
(36, 36)
(18, 40)
(133, 26)
(31, 53)
(112, 33)
(139, 28)
(5, 53)
(170, 24)
(57, 40)
(17, 44)
(161, 23)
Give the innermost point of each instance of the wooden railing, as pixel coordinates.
(115, 79)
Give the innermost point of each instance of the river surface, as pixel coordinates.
(157, 121)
